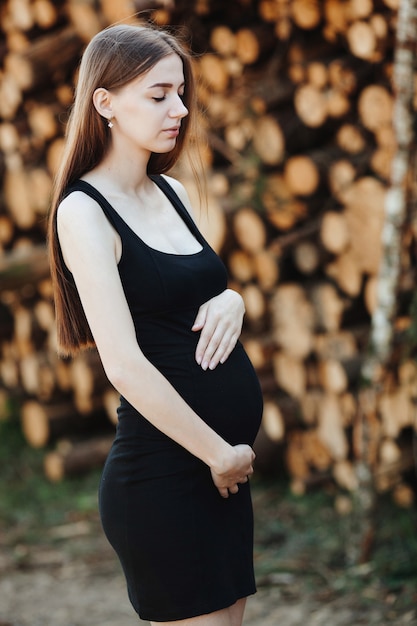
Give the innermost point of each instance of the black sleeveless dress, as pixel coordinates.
(184, 549)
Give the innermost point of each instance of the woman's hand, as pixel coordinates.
(234, 470)
(220, 320)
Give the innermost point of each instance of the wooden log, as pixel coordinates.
(336, 17)
(334, 234)
(338, 104)
(255, 304)
(266, 269)
(292, 319)
(295, 460)
(359, 9)
(260, 347)
(23, 266)
(84, 18)
(346, 272)
(340, 345)
(345, 475)
(241, 266)
(301, 175)
(42, 121)
(381, 162)
(42, 423)
(72, 459)
(341, 175)
(350, 139)
(18, 197)
(213, 72)
(7, 230)
(397, 412)
(330, 427)
(273, 421)
(392, 4)
(238, 135)
(364, 211)
(47, 59)
(53, 155)
(249, 230)
(88, 380)
(342, 74)
(328, 307)
(309, 406)
(403, 495)
(316, 74)
(10, 96)
(20, 15)
(223, 40)
(306, 257)
(316, 453)
(252, 44)
(45, 14)
(311, 105)
(375, 107)
(111, 402)
(268, 140)
(9, 138)
(362, 40)
(283, 210)
(332, 376)
(306, 13)
(289, 374)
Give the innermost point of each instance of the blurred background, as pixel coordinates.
(309, 111)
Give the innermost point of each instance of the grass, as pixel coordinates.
(28, 501)
(305, 538)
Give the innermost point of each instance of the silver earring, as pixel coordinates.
(110, 123)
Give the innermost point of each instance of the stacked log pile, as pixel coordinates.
(298, 107)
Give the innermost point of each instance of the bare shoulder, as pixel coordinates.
(77, 210)
(85, 234)
(181, 192)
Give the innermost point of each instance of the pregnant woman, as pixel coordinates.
(134, 277)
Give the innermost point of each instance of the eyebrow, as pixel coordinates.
(164, 85)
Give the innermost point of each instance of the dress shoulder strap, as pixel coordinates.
(177, 203)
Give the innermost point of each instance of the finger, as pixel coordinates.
(223, 492)
(224, 350)
(234, 489)
(203, 352)
(200, 320)
(208, 345)
(220, 346)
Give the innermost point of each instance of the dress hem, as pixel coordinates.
(193, 612)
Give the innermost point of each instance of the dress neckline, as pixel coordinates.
(176, 202)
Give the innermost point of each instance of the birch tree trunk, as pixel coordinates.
(381, 332)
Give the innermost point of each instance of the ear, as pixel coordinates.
(102, 102)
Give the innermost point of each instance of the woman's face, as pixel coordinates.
(147, 112)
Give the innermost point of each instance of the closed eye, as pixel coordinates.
(159, 99)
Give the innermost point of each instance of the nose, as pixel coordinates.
(178, 109)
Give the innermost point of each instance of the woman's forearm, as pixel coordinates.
(150, 393)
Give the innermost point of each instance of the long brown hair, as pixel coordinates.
(113, 58)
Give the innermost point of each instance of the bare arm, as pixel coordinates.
(91, 249)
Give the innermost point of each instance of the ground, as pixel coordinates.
(57, 569)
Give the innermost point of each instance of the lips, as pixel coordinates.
(174, 130)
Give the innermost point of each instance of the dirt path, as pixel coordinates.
(78, 583)
(67, 575)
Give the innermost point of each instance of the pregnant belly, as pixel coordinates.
(229, 398)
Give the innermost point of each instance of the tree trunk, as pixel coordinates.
(381, 333)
